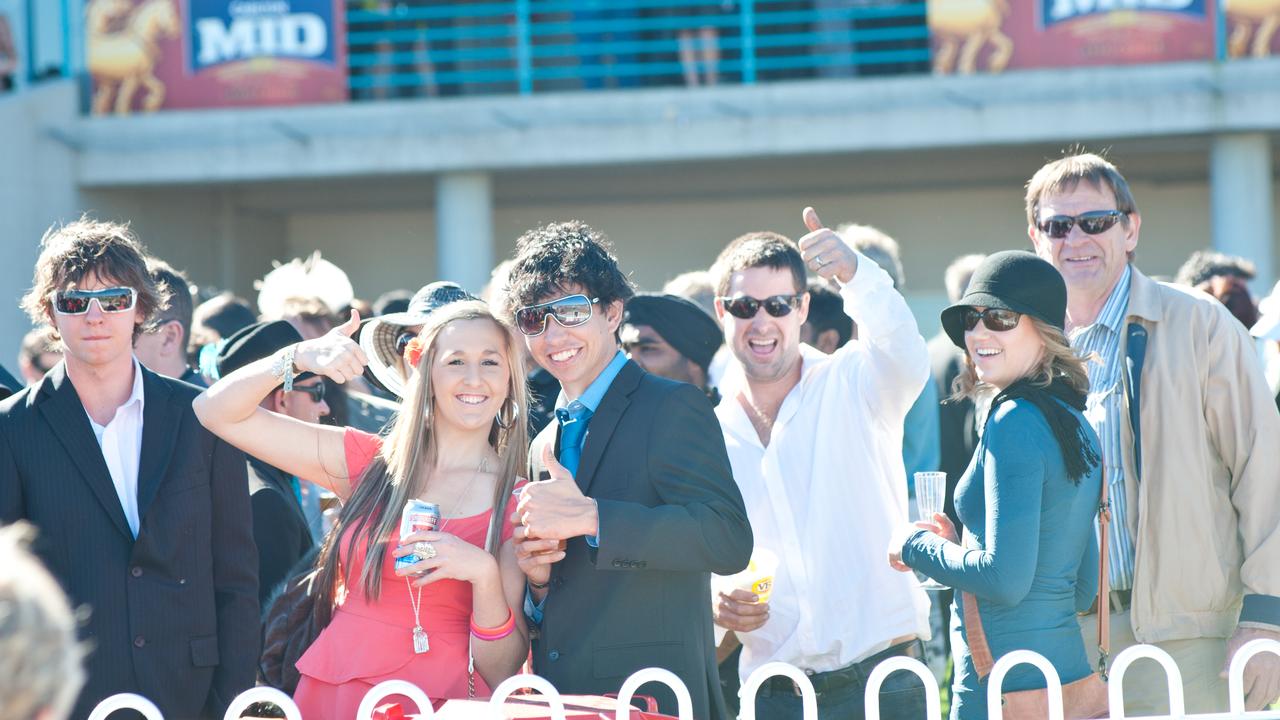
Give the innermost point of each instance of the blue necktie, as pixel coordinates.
(573, 428)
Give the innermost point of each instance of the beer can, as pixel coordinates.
(418, 515)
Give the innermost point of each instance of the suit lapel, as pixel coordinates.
(605, 420)
(160, 420)
(69, 423)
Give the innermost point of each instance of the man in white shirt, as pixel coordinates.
(815, 441)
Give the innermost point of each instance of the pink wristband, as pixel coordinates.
(494, 633)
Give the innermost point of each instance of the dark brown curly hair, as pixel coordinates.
(552, 257)
(69, 253)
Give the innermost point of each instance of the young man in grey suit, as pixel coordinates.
(641, 505)
(143, 515)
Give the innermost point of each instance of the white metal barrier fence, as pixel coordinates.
(809, 700)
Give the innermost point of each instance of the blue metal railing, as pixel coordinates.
(409, 48)
(431, 47)
(48, 43)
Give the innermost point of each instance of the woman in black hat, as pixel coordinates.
(1028, 561)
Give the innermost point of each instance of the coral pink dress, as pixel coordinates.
(369, 641)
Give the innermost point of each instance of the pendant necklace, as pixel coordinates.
(421, 642)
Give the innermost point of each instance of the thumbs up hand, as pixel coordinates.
(556, 509)
(334, 355)
(824, 252)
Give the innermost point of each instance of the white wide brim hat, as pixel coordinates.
(378, 336)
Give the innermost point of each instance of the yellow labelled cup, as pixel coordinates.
(757, 578)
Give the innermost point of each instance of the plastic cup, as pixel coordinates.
(757, 578)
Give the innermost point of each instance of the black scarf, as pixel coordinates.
(1078, 456)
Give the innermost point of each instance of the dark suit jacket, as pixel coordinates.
(8, 383)
(174, 613)
(670, 514)
(279, 527)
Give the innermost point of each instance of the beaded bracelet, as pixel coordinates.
(495, 633)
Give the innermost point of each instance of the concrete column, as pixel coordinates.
(1242, 194)
(464, 229)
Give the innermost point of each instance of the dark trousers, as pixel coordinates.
(841, 693)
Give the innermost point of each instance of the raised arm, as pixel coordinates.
(890, 361)
(231, 410)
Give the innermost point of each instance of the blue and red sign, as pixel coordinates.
(215, 53)
(226, 31)
(1053, 12)
(995, 35)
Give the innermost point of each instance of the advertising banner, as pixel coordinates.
(1251, 28)
(12, 25)
(995, 35)
(146, 55)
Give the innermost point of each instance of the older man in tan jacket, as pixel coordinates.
(1191, 441)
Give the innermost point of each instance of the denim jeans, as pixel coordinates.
(902, 697)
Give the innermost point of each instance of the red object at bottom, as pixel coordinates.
(536, 707)
(389, 711)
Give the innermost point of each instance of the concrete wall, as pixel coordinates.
(380, 250)
(657, 240)
(37, 188)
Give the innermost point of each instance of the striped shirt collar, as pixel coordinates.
(1113, 312)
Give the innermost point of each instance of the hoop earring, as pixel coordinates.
(515, 413)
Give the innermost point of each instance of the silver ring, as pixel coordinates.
(424, 549)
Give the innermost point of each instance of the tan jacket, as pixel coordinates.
(1207, 522)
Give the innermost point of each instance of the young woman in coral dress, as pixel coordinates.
(458, 441)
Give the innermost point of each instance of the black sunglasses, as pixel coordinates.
(110, 300)
(1091, 223)
(569, 311)
(315, 391)
(746, 307)
(995, 319)
(403, 340)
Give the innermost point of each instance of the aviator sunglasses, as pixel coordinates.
(745, 307)
(995, 319)
(1091, 223)
(569, 311)
(110, 300)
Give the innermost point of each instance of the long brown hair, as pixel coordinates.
(372, 514)
(1058, 360)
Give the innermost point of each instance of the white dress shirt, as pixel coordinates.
(121, 443)
(830, 489)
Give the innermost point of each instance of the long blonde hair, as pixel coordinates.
(1058, 360)
(372, 513)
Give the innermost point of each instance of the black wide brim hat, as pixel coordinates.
(1011, 280)
(255, 342)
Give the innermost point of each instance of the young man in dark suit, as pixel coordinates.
(641, 505)
(143, 515)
